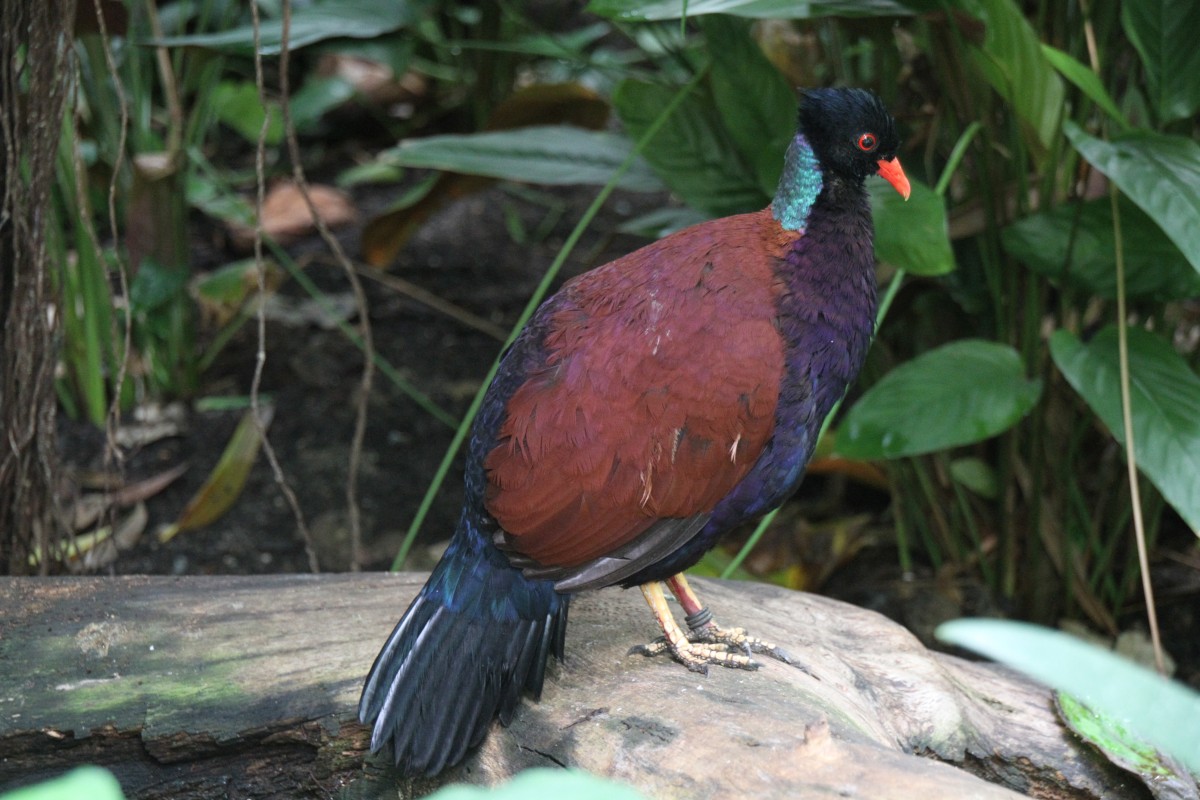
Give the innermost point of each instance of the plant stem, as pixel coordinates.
(1135, 494)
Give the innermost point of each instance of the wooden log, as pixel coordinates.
(246, 686)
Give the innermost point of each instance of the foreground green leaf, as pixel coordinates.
(958, 394)
(1160, 173)
(1074, 245)
(540, 783)
(94, 783)
(1165, 33)
(1162, 775)
(550, 154)
(1165, 406)
(913, 234)
(1160, 711)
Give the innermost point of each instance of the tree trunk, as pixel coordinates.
(36, 40)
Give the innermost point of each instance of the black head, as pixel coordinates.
(849, 130)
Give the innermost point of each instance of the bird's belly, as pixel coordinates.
(807, 393)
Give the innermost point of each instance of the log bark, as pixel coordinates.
(246, 686)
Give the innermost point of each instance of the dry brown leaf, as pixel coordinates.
(285, 214)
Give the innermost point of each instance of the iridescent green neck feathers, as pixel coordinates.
(799, 186)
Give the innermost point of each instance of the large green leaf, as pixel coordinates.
(1012, 62)
(1160, 173)
(1161, 711)
(642, 10)
(960, 393)
(692, 151)
(911, 234)
(1085, 80)
(1111, 735)
(330, 19)
(756, 103)
(1164, 404)
(552, 154)
(1074, 245)
(544, 782)
(1166, 33)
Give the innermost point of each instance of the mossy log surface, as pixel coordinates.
(246, 686)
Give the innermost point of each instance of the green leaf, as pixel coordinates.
(913, 234)
(1011, 61)
(692, 152)
(1165, 406)
(155, 286)
(757, 105)
(1165, 33)
(1111, 736)
(960, 393)
(1085, 80)
(238, 106)
(551, 154)
(538, 783)
(643, 10)
(331, 19)
(94, 783)
(317, 96)
(1074, 245)
(1162, 712)
(1160, 173)
(977, 475)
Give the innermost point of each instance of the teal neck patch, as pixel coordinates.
(798, 186)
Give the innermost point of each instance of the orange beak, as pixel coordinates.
(892, 172)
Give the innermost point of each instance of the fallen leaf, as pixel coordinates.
(286, 217)
(226, 481)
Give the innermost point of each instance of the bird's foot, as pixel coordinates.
(737, 639)
(696, 654)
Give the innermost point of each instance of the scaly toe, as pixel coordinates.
(738, 638)
(697, 656)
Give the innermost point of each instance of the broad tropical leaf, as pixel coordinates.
(692, 152)
(911, 234)
(1160, 173)
(1165, 405)
(1161, 711)
(1165, 33)
(756, 104)
(960, 393)
(1074, 245)
(551, 154)
(1011, 60)
(310, 23)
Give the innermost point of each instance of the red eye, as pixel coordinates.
(867, 142)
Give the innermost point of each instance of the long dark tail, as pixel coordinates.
(478, 634)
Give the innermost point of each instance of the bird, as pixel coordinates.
(648, 407)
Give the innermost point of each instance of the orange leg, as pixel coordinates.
(705, 642)
(694, 654)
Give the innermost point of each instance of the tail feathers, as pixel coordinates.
(444, 674)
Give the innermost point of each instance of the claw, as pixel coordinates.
(705, 642)
(696, 656)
